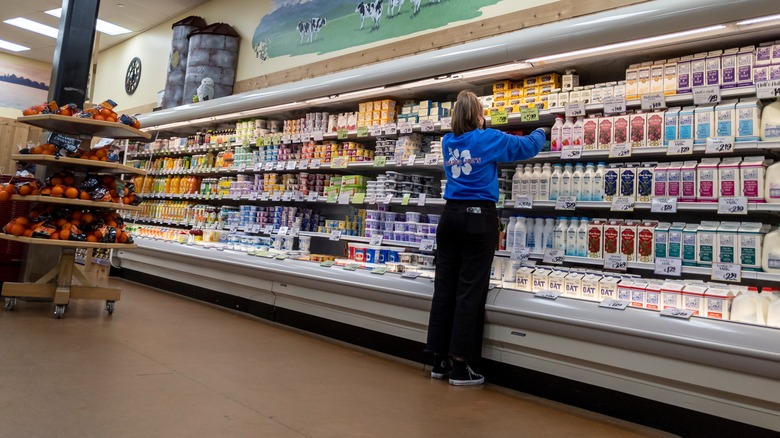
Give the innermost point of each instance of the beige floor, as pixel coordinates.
(164, 366)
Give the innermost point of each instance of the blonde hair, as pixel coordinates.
(467, 114)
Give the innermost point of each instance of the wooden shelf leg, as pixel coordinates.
(65, 276)
(83, 280)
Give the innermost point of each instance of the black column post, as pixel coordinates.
(71, 65)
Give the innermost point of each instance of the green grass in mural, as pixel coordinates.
(343, 28)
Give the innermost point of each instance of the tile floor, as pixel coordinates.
(166, 366)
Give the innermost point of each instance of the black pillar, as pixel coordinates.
(72, 61)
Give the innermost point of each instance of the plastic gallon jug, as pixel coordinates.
(749, 307)
(772, 185)
(770, 122)
(770, 252)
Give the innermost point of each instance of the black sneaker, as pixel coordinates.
(441, 367)
(463, 375)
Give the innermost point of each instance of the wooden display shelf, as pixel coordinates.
(77, 164)
(85, 127)
(66, 243)
(77, 202)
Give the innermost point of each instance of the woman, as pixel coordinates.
(467, 236)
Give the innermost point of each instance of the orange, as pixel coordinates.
(16, 230)
(94, 158)
(37, 150)
(56, 181)
(126, 200)
(76, 215)
(111, 223)
(111, 119)
(123, 237)
(85, 196)
(25, 190)
(72, 193)
(60, 222)
(87, 218)
(27, 233)
(54, 236)
(99, 233)
(102, 153)
(10, 189)
(98, 117)
(4, 196)
(69, 180)
(105, 112)
(36, 192)
(91, 238)
(76, 222)
(23, 221)
(66, 226)
(57, 191)
(46, 191)
(64, 234)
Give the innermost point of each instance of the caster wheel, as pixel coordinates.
(10, 303)
(59, 310)
(110, 307)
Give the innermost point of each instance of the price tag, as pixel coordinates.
(313, 197)
(276, 197)
(268, 229)
(421, 199)
(281, 257)
(279, 165)
(296, 138)
(706, 95)
(680, 147)
(727, 272)
(553, 256)
(620, 150)
(298, 196)
(376, 240)
(427, 245)
(677, 313)
(375, 130)
(733, 205)
(571, 152)
(359, 198)
(286, 139)
(339, 163)
(575, 109)
(427, 126)
(719, 145)
(242, 167)
(371, 199)
(314, 164)
(380, 161)
(547, 295)
(501, 200)
(410, 274)
(342, 134)
(614, 105)
(327, 264)
(332, 198)
(405, 199)
(446, 124)
(362, 131)
(616, 262)
(767, 89)
(335, 235)
(381, 270)
(499, 118)
(398, 159)
(431, 159)
(519, 253)
(622, 203)
(411, 160)
(287, 196)
(653, 101)
(664, 205)
(351, 267)
(610, 303)
(344, 199)
(524, 202)
(265, 196)
(234, 228)
(568, 203)
(390, 129)
(282, 231)
(387, 199)
(405, 128)
(291, 165)
(258, 167)
(317, 136)
(255, 228)
(303, 164)
(668, 267)
(529, 114)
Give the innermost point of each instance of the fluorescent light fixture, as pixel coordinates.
(613, 18)
(318, 100)
(33, 26)
(101, 26)
(506, 68)
(362, 92)
(12, 47)
(610, 47)
(759, 20)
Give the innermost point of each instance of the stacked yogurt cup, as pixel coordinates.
(409, 227)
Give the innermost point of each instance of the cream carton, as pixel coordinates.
(552, 100)
(671, 124)
(712, 68)
(690, 253)
(638, 288)
(726, 119)
(670, 77)
(624, 289)
(608, 287)
(688, 181)
(556, 281)
(563, 98)
(717, 302)
(693, 298)
(611, 181)
(644, 182)
(774, 72)
(575, 95)
(699, 70)
(704, 120)
(628, 239)
(671, 295)
(596, 239)
(612, 237)
(728, 243)
(728, 176)
(620, 125)
(763, 54)
(752, 173)
(745, 66)
(627, 181)
(751, 236)
(661, 240)
(524, 278)
(632, 82)
(643, 85)
(748, 119)
(775, 57)
(707, 242)
(590, 287)
(655, 129)
(657, 77)
(590, 128)
(605, 132)
(674, 179)
(728, 68)
(586, 95)
(760, 73)
(573, 285)
(645, 241)
(660, 175)
(707, 180)
(684, 82)
(653, 295)
(685, 123)
(541, 280)
(675, 250)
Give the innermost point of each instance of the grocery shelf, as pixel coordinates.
(320, 199)
(260, 168)
(681, 206)
(78, 164)
(358, 239)
(76, 202)
(66, 243)
(85, 127)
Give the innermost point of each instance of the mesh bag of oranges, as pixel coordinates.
(104, 111)
(61, 223)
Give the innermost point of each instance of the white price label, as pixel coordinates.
(269, 165)
(335, 235)
(282, 231)
(258, 167)
(296, 138)
(524, 202)
(653, 101)
(553, 256)
(610, 303)
(314, 164)
(421, 199)
(571, 152)
(286, 139)
(727, 272)
(620, 150)
(405, 128)
(680, 147)
(616, 262)
(387, 199)
(234, 228)
(668, 267)
(706, 95)
(287, 196)
(376, 240)
(280, 165)
(664, 205)
(339, 163)
(317, 136)
(344, 199)
(674, 312)
(375, 130)
(720, 145)
(313, 197)
(427, 245)
(547, 295)
(268, 229)
(614, 105)
(253, 196)
(568, 203)
(255, 228)
(411, 160)
(520, 253)
(446, 123)
(242, 167)
(390, 129)
(427, 126)
(623, 203)
(768, 89)
(431, 159)
(410, 274)
(501, 200)
(291, 165)
(298, 196)
(265, 196)
(276, 197)
(575, 109)
(733, 205)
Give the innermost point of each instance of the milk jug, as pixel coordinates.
(560, 234)
(555, 182)
(582, 238)
(517, 181)
(556, 134)
(770, 254)
(576, 181)
(519, 231)
(544, 182)
(547, 236)
(772, 186)
(587, 183)
(770, 122)
(598, 183)
(510, 234)
(749, 307)
(571, 237)
(568, 173)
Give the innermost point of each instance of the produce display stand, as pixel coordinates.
(57, 284)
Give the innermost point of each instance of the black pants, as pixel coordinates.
(466, 242)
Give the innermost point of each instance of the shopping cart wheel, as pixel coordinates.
(59, 310)
(110, 307)
(10, 303)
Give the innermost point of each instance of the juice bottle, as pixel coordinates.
(556, 134)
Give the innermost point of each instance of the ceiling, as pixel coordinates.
(136, 15)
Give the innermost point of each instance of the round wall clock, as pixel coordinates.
(133, 76)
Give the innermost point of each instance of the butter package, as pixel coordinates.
(645, 241)
(748, 119)
(671, 124)
(638, 288)
(670, 77)
(628, 239)
(699, 70)
(728, 176)
(653, 295)
(690, 253)
(707, 182)
(661, 240)
(751, 236)
(745, 66)
(704, 119)
(684, 75)
(693, 298)
(713, 68)
(728, 242)
(685, 127)
(657, 77)
(717, 301)
(676, 240)
(556, 282)
(590, 287)
(608, 288)
(524, 278)
(541, 280)
(644, 182)
(707, 242)
(728, 68)
(671, 295)
(573, 285)
(688, 181)
(660, 175)
(726, 119)
(549, 78)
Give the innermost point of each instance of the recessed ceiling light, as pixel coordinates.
(12, 47)
(33, 26)
(120, 5)
(101, 26)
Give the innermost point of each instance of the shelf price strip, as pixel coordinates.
(733, 205)
(616, 262)
(767, 89)
(706, 95)
(664, 205)
(653, 101)
(668, 267)
(614, 105)
(674, 312)
(575, 109)
(680, 147)
(727, 272)
(566, 203)
(499, 118)
(719, 145)
(553, 257)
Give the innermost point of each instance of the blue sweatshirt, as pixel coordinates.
(471, 160)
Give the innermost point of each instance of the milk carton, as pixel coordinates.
(605, 132)
(657, 77)
(611, 181)
(637, 123)
(676, 240)
(672, 124)
(748, 119)
(624, 289)
(751, 236)
(760, 73)
(745, 66)
(707, 242)
(763, 54)
(670, 77)
(563, 98)
(704, 119)
(726, 119)
(620, 128)
(728, 176)
(693, 298)
(644, 182)
(753, 173)
(608, 288)
(690, 253)
(688, 181)
(671, 295)
(699, 70)
(645, 241)
(728, 243)
(712, 68)
(660, 175)
(775, 58)
(655, 129)
(541, 280)
(590, 130)
(707, 180)
(573, 285)
(524, 278)
(684, 81)
(628, 239)
(638, 288)
(717, 302)
(728, 67)
(632, 82)
(555, 282)
(590, 287)
(612, 237)
(628, 181)
(596, 239)
(643, 85)
(674, 179)
(653, 295)
(685, 129)
(661, 240)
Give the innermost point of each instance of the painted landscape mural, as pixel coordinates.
(22, 86)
